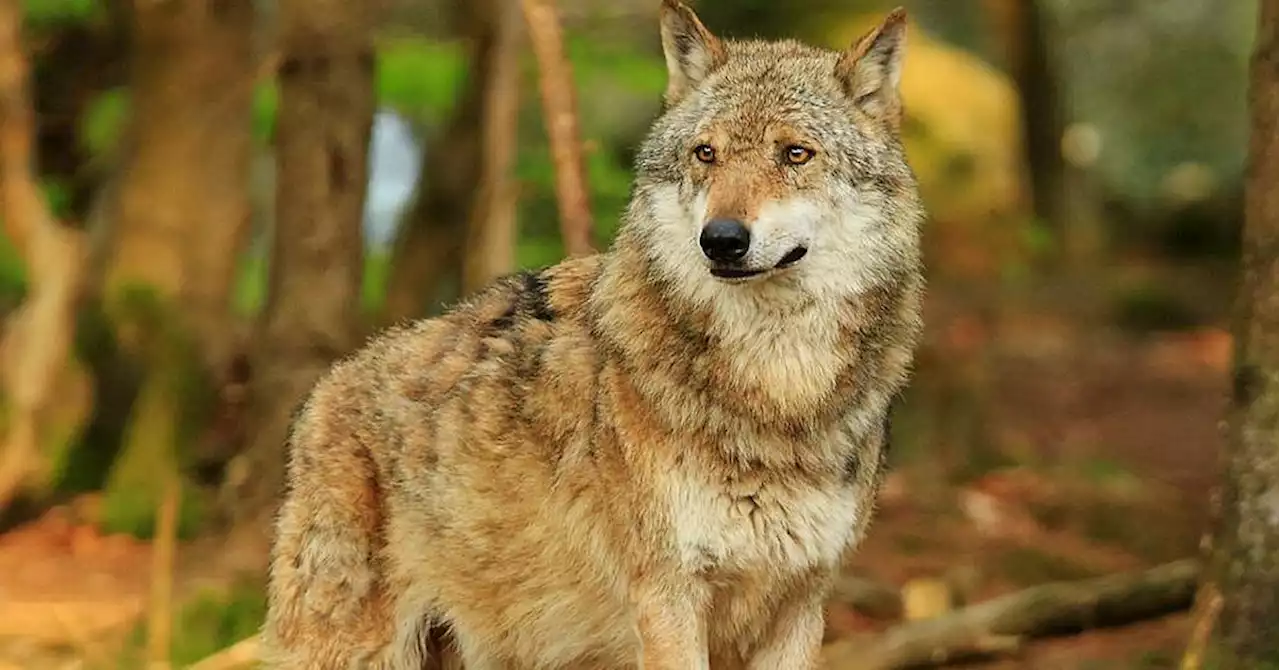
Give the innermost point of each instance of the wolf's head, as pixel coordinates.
(776, 168)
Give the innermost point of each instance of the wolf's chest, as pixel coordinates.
(734, 527)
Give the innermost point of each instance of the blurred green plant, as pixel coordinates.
(42, 13)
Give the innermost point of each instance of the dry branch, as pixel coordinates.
(995, 627)
(37, 337)
(160, 610)
(559, 110)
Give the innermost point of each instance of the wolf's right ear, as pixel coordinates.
(871, 69)
(691, 51)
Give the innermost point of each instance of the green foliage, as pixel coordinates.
(43, 13)
(377, 271)
(418, 78)
(266, 104)
(595, 60)
(58, 197)
(13, 276)
(250, 290)
(104, 121)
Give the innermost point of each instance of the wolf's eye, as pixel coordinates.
(798, 155)
(705, 153)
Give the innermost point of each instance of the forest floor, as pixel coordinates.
(1123, 429)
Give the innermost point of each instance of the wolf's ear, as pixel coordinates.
(692, 52)
(871, 68)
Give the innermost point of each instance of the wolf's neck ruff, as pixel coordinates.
(728, 366)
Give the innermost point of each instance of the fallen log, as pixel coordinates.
(998, 626)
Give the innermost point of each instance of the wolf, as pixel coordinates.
(653, 457)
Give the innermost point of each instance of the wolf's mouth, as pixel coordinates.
(792, 257)
(735, 273)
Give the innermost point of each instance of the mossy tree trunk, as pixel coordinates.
(427, 261)
(1236, 608)
(312, 313)
(181, 214)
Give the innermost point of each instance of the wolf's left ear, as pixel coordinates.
(871, 68)
(692, 52)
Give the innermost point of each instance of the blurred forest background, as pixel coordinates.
(206, 202)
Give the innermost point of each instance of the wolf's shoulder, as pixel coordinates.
(513, 315)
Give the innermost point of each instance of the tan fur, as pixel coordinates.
(622, 461)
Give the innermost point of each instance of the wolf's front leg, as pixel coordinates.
(671, 628)
(795, 639)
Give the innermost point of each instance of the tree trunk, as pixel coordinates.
(426, 264)
(489, 249)
(560, 114)
(1236, 608)
(313, 302)
(464, 212)
(1063, 195)
(183, 206)
(36, 345)
(180, 220)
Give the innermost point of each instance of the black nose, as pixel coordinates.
(725, 240)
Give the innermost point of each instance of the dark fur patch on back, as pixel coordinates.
(534, 295)
(529, 300)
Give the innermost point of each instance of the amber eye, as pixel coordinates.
(705, 153)
(798, 155)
